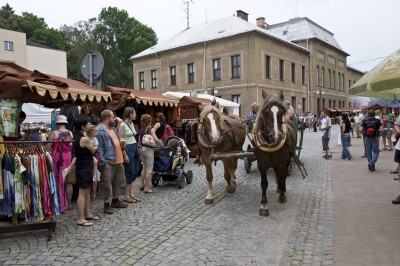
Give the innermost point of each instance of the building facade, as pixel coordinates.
(17, 49)
(235, 59)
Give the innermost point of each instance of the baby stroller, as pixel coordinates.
(169, 162)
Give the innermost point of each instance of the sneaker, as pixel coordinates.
(396, 177)
(107, 208)
(370, 167)
(396, 200)
(118, 204)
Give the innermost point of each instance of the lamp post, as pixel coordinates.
(319, 92)
(213, 91)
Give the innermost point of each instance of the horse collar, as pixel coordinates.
(269, 148)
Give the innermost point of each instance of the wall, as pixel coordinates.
(48, 61)
(18, 55)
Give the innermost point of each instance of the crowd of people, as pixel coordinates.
(104, 159)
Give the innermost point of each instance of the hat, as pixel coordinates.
(61, 119)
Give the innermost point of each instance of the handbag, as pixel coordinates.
(148, 140)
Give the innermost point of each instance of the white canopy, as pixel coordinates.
(226, 103)
(36, 113)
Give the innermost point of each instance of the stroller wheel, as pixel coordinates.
(155, 179)
(189, 177)
(181, 181)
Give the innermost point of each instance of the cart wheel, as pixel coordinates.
(189, 177)
(155, 179)
(247, 164)
(181, 181)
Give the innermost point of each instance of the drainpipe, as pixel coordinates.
(308, 79)
(204, 67)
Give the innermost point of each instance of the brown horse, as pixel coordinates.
(219, 133)
(274, 139)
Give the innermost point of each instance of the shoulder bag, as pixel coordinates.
(148, 140)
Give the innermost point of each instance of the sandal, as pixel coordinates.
(130, 200)
(148, 191)
(135, 198)
(93, 218)
(85, 224)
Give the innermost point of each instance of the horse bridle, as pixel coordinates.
(201, 133)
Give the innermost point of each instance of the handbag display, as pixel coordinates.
(148, 140)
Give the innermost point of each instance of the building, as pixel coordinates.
(235, 59)
(30, 55)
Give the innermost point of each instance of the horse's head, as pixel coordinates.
(210, 121)
(271, 120)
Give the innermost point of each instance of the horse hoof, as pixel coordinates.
(209, 201)
(264, 212)
(282, 199)
(230, 189)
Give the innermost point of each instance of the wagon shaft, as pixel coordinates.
(238, 155)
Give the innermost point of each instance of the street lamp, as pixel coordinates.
(213, 91)
(319, 92)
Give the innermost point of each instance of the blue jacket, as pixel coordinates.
(106, 150)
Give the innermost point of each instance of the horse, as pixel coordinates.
(219, 133)
(274, 140)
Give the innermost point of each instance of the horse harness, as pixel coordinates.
(264, 146)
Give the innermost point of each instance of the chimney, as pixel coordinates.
(261, 22)
(243, 15)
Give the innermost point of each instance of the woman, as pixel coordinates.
(62, 158)
(84, 151)
(127, 131)
(387, 121)
(159, 128)
(147, 154)
(345, 128)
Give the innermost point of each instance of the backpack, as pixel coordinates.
(168, 132)
(371, 130)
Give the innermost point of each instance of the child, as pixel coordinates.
(92, 133)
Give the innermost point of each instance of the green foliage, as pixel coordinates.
(114, 34)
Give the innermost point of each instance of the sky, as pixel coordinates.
(368, 30)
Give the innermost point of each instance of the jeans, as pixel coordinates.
(131, 168)
(345, 146)
(372, 149)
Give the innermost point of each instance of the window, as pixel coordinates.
(293, 72)
(281, 70)
(349, 83)
(190, 70)
(317, 76)
(172, 75)
(329, 103)
(236, 99)
(322, 77)
(342, 81)
(141, 80)
(267, 66)
(294, 105)
(329, 79)
(303, 75)
(217, 69)
(154, 79)
(333, 79)
(235, 66)
(9, 46)
(339, 81)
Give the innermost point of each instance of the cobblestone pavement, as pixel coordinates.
(174, 227)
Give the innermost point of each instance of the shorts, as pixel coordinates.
(397, 156)
(84, 175)
(325, 143)
(147, 158)
(387, 133)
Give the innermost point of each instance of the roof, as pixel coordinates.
(297, 29)
(24, 85)
(215, 30)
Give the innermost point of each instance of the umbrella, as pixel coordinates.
(383, 81)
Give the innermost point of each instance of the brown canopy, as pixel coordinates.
(190, 106)
(121, 95)
(24, 85)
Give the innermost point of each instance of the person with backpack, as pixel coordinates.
(371, 127)
(162, 129)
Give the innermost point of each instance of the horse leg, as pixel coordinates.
(281, 174)
(209, 198)
(264, 210)
(229, 174)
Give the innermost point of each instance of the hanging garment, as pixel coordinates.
(53, 184)
(8, 202)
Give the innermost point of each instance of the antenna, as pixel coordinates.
(187, 11)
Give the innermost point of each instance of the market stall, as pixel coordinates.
(28, 190)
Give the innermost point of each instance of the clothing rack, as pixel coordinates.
(189, 120)
(50, 225)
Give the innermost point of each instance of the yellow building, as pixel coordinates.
(235, 59)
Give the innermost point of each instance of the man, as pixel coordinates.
(111, 158)
(371, 127)
(325, 129)
(363, 116)
(251, 117)
(357, 123)
(397, 155)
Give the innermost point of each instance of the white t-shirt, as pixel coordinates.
(397, 122)
(326, 122)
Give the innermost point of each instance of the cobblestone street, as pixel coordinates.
(175, 227)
